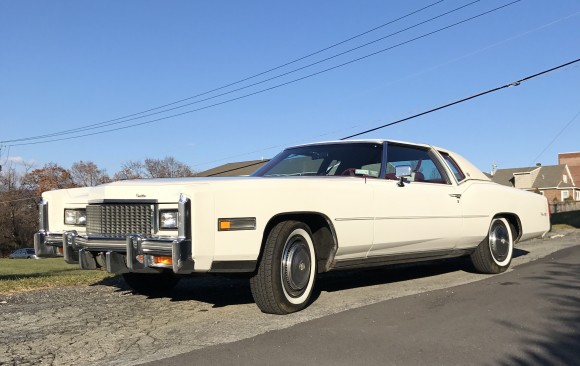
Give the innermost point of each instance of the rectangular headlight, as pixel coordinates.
(75, 217)
(168, 219)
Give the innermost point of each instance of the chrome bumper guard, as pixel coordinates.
(48, 245)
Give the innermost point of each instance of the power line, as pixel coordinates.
(509, 39)
(278, 85)
(122, 119)
(515, 83)
(555, 137)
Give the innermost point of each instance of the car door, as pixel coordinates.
(423, 214)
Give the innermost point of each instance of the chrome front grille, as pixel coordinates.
(119, 220)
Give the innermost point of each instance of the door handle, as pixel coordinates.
(455, 195)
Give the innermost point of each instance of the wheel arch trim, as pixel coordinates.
(325, 248)
(513, 219)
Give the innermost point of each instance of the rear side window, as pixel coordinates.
(453, 166)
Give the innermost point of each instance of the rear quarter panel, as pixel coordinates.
(482, 200)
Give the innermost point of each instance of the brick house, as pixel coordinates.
(556, 182)
(571, 159)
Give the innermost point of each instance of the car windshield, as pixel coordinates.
(343, 159)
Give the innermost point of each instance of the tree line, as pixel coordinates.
(20, 191)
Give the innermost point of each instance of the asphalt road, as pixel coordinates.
(437, 313)
(525, 317)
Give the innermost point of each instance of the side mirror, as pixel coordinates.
(402, 172)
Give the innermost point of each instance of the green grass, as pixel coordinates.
(29, 274)
(561, 227)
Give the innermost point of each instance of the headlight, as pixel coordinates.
(75, 217)
(168, 219)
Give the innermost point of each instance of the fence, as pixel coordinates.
(564, 207)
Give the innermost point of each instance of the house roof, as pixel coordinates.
(505, 176)
(549, 176)
(241, 168)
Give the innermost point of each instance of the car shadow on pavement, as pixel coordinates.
(214, 290)
(520, 252)
(342, 280)
(226, 291)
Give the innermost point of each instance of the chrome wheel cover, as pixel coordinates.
(295, 266)
(499, 241)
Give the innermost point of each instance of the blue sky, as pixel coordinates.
(69, 64)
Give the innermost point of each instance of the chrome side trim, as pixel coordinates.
(377, 261)
(354, 218)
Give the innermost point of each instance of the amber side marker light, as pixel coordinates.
(238, 223)
(225, 225)
(158, 259)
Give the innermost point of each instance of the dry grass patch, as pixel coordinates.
(30, 274)
(561, 227)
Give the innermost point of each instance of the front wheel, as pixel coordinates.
(494, 254)
(286, 274)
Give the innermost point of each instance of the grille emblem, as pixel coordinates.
(140, 195)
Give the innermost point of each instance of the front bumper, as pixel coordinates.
(133, 253)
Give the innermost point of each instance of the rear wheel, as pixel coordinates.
(286, 274)
(494, 254)
(151, 283)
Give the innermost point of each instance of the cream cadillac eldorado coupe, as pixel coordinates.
(313, 208)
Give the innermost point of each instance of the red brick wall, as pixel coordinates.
(550, 194)
(573, 162)
(572, 159)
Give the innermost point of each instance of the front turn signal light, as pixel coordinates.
(159, 259)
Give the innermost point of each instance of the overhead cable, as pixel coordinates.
(515, 83)
(125, 118)
(275, 86)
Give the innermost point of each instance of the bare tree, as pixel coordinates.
(18, 211)
(130, 170)
(166, 168)
(87, 174)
